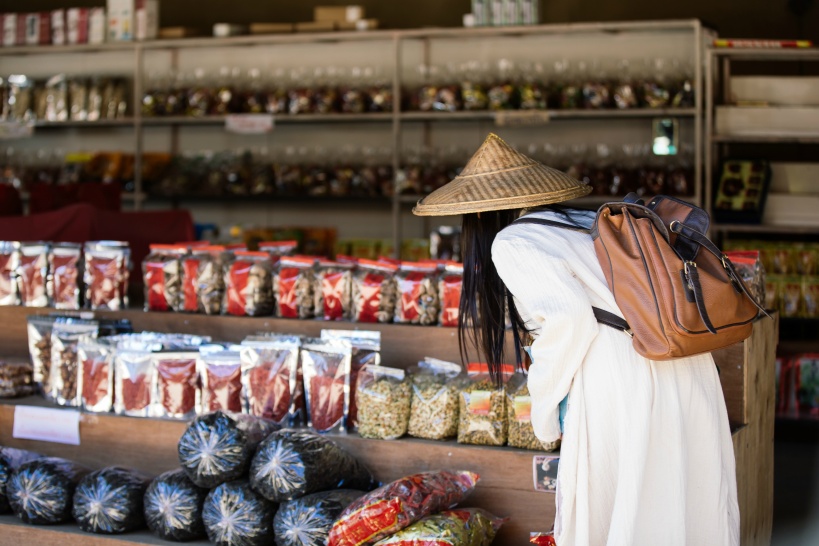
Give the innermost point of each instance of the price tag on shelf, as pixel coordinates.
(15, 129)
(544, 471)
(249, 124)
(47, 425)
(522, 118)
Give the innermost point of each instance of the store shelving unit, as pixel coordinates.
(506, 486)
(397, 53)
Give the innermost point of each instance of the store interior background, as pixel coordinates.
(796, 515)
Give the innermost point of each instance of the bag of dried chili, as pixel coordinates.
(374, 291)
(107, 265)
(449, 289)
(65, 370)
(218, 447)
(333, 290)
(269, 376)
(173, 507)
(398, 505)
(291, 463)
(175, 392)
(326, 370)
(32, 272)
(9, 257)
(134, 372)
(221, 373)
(366, 350)
(307, 521)
(10, 460)
(96, 377)
(162, 276)
(417, 300)
(64, 275)
(293, 287)
(249, 285)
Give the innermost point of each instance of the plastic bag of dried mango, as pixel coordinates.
(460, 527)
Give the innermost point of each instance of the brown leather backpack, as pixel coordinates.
(679, 294)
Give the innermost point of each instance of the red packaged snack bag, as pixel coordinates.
(366, 350)
(392, 507)
(96, 380)
(269, 374)
(203, 280)
(176, 392)
(106, 274)
(279, 248)
(542, 539)
(9, 257)
(249, 285)
(221, 381)
(162, 276)
(417, 301)
(134, 373)
(333, 286)
(32, 271)
(65, 367)
(374, 291)
(449, 290)
(293, 287)
(326, 370)
(64, 267)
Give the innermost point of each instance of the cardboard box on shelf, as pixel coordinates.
(316, 26)
(96, 26)
(58, 27)
(170, 33)
(121, 14)
(76, 25)
(338, 14)
(271, 28)
(147, 19)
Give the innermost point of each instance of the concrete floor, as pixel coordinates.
(796, 488)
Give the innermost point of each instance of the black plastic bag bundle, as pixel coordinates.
(10, 460)
(293, 463)
(173, 507)
(307, 521)
(41, 491)
(109, 501)
(217, 447)
(235, 515)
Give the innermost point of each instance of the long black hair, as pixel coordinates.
(485, 302)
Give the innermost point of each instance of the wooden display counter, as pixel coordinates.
(506, 487)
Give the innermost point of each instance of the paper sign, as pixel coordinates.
(249, 124)
(522, 118)
(544, 468)
(47, 425)
(15, 129)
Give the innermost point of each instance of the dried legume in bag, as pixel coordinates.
(383, 397)
(434, 410)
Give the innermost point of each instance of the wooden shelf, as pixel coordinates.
(610, 113)
(765, 139)
(282, 119)
(72, 124)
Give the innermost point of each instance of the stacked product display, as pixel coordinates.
(214, 280)
(65, 275)
(243, 481)
(797, 382)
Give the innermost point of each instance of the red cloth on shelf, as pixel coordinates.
(48, 197)
(10, 202)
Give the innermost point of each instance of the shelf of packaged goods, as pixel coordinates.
(766, 228)
(374, 201)
(127, 197)
(526, 117)
(62, 49)
(767, 54)
(765, 139)
(77, 124)
(283, 119)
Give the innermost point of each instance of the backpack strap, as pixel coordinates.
(602, 316)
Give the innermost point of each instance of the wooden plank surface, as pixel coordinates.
(732, 375)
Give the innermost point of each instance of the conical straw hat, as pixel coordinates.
(497, 178)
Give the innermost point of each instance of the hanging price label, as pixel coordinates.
(15, 129)
(47, 425)
(249, 124)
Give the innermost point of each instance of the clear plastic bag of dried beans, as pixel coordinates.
(482, 408)
(436, 385)
(249, 285)
(293, 283)
(383, 398)
(519, 416)
(374, 291)
(417, 300)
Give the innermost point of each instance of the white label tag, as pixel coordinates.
(15, 129)
(249, 124)
(47, 425)
(544, 469)
(521, 117)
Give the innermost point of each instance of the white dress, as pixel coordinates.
(647, 457)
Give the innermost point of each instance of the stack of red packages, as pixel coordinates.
(203, 280)
(417, 301)
(293, 287)
(161, 270)
(333, 290)
(249, 285)
(374, 291)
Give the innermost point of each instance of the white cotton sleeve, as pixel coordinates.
(556, 301)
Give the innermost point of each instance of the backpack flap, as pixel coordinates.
(670, 209)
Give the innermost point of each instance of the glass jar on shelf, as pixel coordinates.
(625, 95)
(530, 82)
(200, 94)
(352, 90)
(300, 92)
(568, 85)
(275, 91)
(655, 83)
(502, 93)
(379, 90)
(596, 91)
(473, 76)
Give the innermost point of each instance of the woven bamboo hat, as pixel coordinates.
(497, 178)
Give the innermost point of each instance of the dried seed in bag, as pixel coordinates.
(519, 416)
(435, 399)
(383, 399)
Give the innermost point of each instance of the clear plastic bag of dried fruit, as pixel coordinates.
(366, 350)
(399, 504)
(326, 369)
(269, 376)
(249, 285)
(417, 300)
(65, 337)
(279, 248)
(203, 280)
(519, 416)
(162, 275)
(482, 407)
(449, 290)
(96, 377)
(436, 385)
(107, 264)
(134, 373)
(293, 283)
(9, 256)
(32, 272)
(175, 393)
(383, 398)
(39, 347)
(221, 373)
(374, 291)
(333, 290)
(64, 275)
